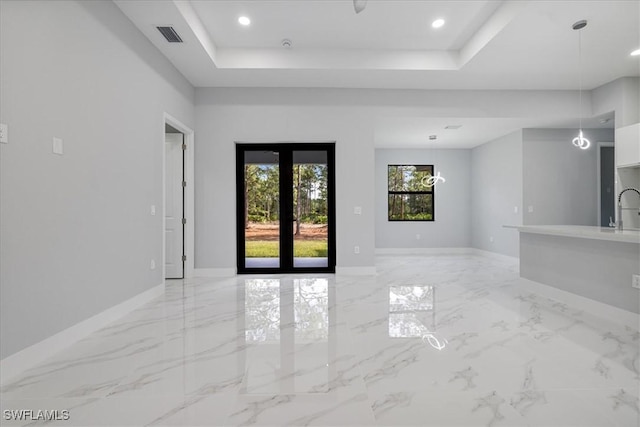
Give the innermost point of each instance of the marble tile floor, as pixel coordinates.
(448, 340)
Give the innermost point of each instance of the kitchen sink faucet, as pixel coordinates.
(619, 222)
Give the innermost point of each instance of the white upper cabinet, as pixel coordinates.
(628, 146)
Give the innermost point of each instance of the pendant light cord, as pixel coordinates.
(580, 141)
(580, 76)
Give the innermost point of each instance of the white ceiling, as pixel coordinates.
(334, 25)
(484, 44)
(513, 44)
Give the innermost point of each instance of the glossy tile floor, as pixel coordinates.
(430, 341)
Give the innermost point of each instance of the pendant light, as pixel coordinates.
(580, 141)
(435, 178)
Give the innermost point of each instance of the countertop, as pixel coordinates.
(582, 232)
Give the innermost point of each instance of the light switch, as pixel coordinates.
(58, 147)
(530, 209)
(153, 209)
(4, 133)
(357, 210)
(515, 209)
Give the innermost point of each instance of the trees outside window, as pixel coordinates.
(411, 198)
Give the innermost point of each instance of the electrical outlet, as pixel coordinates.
(635, 281)
(530, 209)
(356, 249)
(153, 209)
(515, 209)
(153, 264)
(491, 239)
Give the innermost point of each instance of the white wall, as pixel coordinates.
(560, 180)
(621, 96)
(496, 190)
(77, 236)
(451, 227)
(224, 117)
(347, 116)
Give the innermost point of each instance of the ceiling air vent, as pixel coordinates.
(170, 34)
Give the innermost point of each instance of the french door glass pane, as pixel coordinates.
(262, 209)
(310, 209)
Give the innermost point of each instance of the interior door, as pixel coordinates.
(174, 206)
(285, 207)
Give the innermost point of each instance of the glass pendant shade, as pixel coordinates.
(580, 141)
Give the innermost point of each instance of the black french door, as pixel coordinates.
(285, 205)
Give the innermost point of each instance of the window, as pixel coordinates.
(410, 193)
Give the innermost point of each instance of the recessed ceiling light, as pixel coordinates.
(437, 23)
(635, 52)
(243, 20)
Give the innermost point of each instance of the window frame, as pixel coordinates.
(431, 191)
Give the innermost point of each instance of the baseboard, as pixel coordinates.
(356, 271)
(29, 357)
(423, 251)
(588, 305)
(444, 251)
(214, 272)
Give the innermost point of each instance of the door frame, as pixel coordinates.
(176, 184)
(599, 145)
(285, 198)
(188, 191)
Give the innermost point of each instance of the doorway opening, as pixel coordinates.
(178, 230)
(606, 184)
(285, 207)
(174, 219)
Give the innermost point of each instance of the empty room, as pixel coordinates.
(320, 213)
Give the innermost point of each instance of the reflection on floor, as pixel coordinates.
(298, 262)
(429, 341)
